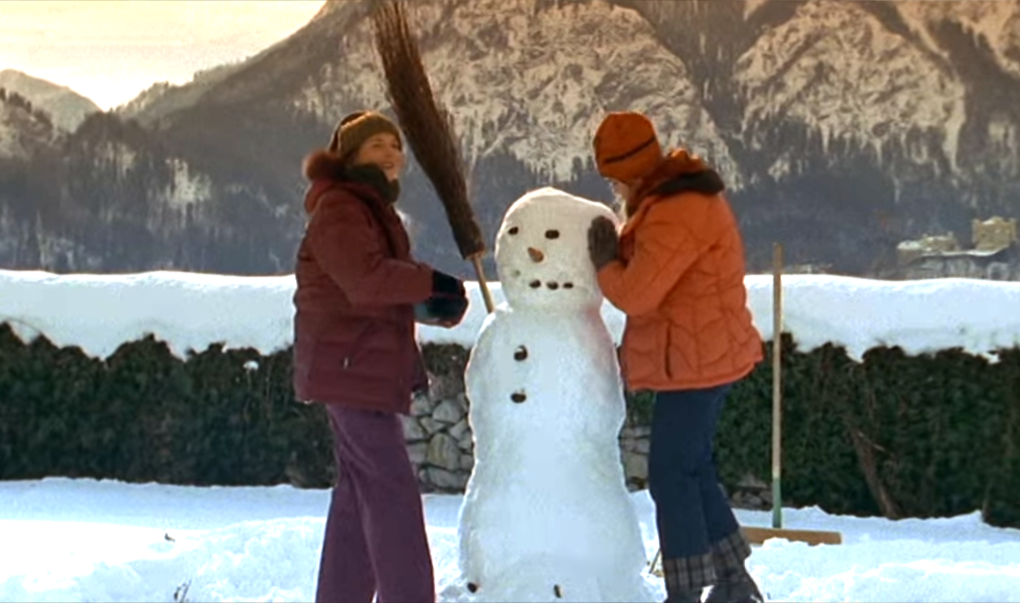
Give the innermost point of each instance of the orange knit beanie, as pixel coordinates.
(626, 147)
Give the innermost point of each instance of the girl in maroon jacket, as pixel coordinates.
(358, 296)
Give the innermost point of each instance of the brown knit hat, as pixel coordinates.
(354, 129)
(626, 147)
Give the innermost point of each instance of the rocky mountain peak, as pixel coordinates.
(66, 108)
(847, 75)
(526, 78)
(994, 23)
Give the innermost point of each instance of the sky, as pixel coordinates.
(110, 50)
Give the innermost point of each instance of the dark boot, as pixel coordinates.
(734, 583)
(743, 590)
(685, 597)
(687, 577)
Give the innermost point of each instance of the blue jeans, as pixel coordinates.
(691, 510)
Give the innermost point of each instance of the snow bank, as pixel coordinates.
(190, 311)
(919, 316)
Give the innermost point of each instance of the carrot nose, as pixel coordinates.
(536, 255)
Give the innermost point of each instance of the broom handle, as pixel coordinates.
(777, 392)
(476, 260)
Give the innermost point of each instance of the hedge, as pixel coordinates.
(894, 435)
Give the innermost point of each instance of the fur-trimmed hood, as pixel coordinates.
(324, 170)
(321, 164)
(678, 172)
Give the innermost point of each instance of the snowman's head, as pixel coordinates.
(542, 251)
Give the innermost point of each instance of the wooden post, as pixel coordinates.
(777, 388)
(476, 260)
(758, 535)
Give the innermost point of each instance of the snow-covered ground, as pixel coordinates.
(86, 540)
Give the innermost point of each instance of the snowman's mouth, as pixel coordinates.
(551, 285)
(554, 285)
(536, 282)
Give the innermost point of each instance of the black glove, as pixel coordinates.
(444, 284)
(444, 311)
(603, 242)
(447, 304)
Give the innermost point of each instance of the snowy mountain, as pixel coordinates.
(528, 78)
(838, 84)
(162, 98)
(66, 107)
(110, 197)
(995, 25)
(840, 128)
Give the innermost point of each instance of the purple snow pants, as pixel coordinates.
(375, 542)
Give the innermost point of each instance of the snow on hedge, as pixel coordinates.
(190, 311)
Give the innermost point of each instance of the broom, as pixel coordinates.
(428, 128)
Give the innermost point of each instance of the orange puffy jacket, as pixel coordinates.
(680, 281)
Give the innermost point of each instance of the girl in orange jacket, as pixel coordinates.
(676, 269)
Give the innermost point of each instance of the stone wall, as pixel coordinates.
(439, 437)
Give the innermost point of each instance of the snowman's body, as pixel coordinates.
(547, 516)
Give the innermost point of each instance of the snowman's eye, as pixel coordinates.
(513, 230)
(552, 234)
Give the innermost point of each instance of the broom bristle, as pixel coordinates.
(427, 125)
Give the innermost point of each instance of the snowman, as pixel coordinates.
(546, 515)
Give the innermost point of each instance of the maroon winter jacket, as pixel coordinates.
(354, 329)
